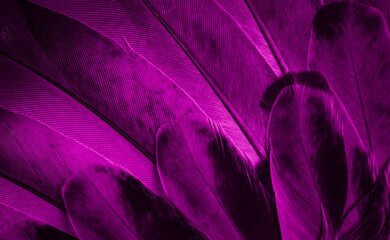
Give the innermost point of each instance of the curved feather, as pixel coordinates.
(308, 161)
(221, 56)
(242, 14)
(210, 182)
(120, 87)
(345, 38)
(22, 200)
(286, 24)
(106, 202)
(17, 226)
(25, 92)
(133, 25)
(360, 177)
(38, 158)
(374, 221)
(382, 5)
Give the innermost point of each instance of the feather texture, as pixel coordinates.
(133, 24)
(303, 102)
(38, 158)
(242, 14)
(120, 87)
(17, 226)
(374, 215)
(209, 181)
(22, 200)
(222, 56)
(105, 202)
(381, 5)
(286, 26)
(308, 161)
(24, 92)
(345, 38)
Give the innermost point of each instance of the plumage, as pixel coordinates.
(210, 181)
(131, 23)
(303, 103)
(286, 26)
(215, 56)
(39, 159)
(18, 226)
(149, 119)
(120, 87)
(106, 202)
(308, 160)
(23, 200)
(350, 45)
(243, 14)
(381, 5)
(374, 219)
(22, 91)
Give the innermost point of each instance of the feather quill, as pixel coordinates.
(106, 202)
(39, 159)
(242, 14)
(45, 157)
(18, 226)
(286, 26)
(182, 35)
(350, 45)
(25, 92)
(134, 26)
(121, 87)
(22, 200)
(210, 181)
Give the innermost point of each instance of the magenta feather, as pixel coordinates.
(209, 180)
(350, 45)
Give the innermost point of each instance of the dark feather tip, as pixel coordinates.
(314, 80)
(326, 24)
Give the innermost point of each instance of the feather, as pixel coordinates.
(17, 226)
(360, 178)
(25, 92)
(182, 35)
(22, 200)
(132, 25)
(39, 159)
(382, 5)
(122, 88)
(308, 160)
(210, 181)
(106, 202)
(345, 38)
(374, 221)
(286, 26)
(45, 157)
(242, 14)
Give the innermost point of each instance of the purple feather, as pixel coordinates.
(286, 26)
(209, 181)
(17, 226)
(106, 202)
(120, 87)
(350, 45)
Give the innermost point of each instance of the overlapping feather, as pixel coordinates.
(319, 168)
(106, 202)
(17, 226)
(209, 180)
(184, 35)
(121, 87)
(326, 185)
(350, 45)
